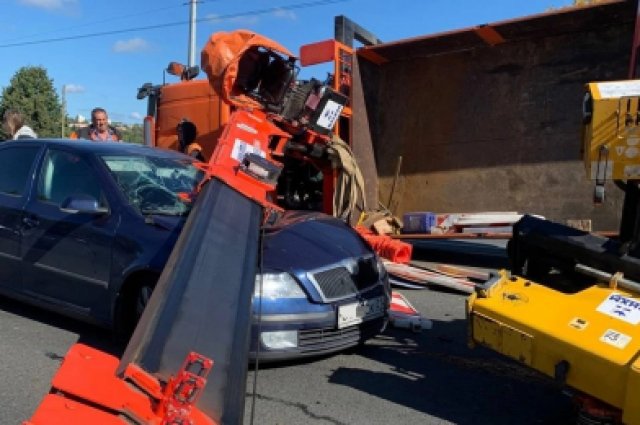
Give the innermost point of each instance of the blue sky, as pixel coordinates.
(106, 70)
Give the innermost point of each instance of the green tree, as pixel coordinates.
(133, 134)
(31, 92)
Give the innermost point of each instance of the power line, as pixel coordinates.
(174, 24)
(88, 24)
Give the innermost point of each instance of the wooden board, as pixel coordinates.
(401, 283)
(426, 277)
(454, 271)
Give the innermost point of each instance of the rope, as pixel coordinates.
(349, 190)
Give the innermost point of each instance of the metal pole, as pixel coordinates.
(393, 185)
(63, 118)
(192, 33)
(629, 284)
(633, 63)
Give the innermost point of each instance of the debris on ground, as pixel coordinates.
(426, 278)
(405, 316)
(490, 222)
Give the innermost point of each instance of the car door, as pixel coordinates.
(67, 254)
(16, 175)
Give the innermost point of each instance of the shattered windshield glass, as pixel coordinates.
(153, 185)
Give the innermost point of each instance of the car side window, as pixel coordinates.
(15, 167)
(64, 175)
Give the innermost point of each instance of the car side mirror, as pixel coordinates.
(82, 204)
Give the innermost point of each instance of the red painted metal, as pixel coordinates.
(317, 53)
(182, 392)
(59, 410)
(489, 34)
(369, 54)
(342, 57)
(596, 410)
(86, 390)
(247, 130)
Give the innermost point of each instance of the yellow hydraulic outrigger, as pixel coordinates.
(571, 307)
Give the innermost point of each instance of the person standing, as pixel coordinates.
(13, 124)
(99, 130)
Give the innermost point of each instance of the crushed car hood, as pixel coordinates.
(309, 240)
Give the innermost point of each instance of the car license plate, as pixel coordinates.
(354, 313)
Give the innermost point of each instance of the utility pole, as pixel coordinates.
(192, 33)
(63, 118)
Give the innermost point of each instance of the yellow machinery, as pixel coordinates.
(575, 338)
(571, 306)
(612, 132)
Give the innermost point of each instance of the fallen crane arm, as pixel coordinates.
(201, 304)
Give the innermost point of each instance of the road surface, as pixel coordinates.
(399, 377)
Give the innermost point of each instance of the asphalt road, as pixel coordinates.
(399, 377)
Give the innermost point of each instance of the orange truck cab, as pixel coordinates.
(186, 100)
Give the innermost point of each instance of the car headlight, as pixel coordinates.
(278, 285)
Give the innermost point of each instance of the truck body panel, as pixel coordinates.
(485, 123)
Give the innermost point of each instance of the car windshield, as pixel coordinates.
(154, 184)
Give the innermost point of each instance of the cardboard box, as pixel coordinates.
(418, 222)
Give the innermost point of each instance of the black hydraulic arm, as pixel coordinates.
(538, 241)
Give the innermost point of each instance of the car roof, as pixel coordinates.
(102, 148)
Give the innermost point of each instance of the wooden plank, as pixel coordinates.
(425, 277)
(400, 283)
(454, 271)
(462, 272)
(452, 236)
(488, 229)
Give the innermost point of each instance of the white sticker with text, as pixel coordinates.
(241, 148)
(615, 338)
(329, 115)
(613, 89)
(621, 307)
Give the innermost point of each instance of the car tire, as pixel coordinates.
(142, 297)
(132, 305)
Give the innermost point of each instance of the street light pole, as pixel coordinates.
(192, 33)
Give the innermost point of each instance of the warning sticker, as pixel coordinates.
(329, 115)
(621, 307)
(241, 148)
(579, 323)
(615, 338)
(613, 89)
(632, 171)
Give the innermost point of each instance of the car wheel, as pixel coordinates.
(131, 306)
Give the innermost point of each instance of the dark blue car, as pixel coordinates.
(86, 229)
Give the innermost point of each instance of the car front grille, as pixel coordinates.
(320, 340)
(337, 282)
